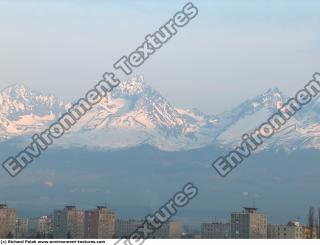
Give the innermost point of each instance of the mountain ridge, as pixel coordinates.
(134, 114)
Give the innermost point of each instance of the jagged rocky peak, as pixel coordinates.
(18, 100)
(274, 94)
(272, 99)
(135, 85)
(15, 89)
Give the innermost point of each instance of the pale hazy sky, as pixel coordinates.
(230, 51)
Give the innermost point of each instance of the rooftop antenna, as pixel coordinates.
(214, 219)
(253, 202)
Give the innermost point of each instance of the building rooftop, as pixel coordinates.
(294, 223)
(3, 205)
(101, 207)
(250, 210)
(70, 207)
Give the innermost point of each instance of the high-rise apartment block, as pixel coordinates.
(99, 223)
(7, 222)
(248, 224)
(68, 223)
(41, 227)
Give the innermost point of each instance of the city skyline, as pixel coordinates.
(103, 223)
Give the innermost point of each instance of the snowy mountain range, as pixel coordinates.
(136, 114)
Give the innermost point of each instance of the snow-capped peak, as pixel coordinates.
(16, 89)
(23, 111)
(133, 86)
(137, 114)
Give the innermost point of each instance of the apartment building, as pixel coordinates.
(292, 230)
(215, 230)
(40, 227)
(22, 228)
(99, 223)
(7, 222)
(169, 230)
(68, 223)
(248, 224)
